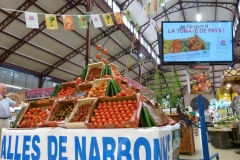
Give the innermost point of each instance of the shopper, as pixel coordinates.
(5, 104)
(235, 105)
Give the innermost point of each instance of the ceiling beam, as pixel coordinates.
(15, 14)
(34, 32)
(192, 4)
(32, 44)
(79, 50)
(126, 4)
(38, 61)
(40, 48)
(181, 7)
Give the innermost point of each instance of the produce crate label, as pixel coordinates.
(80, 94)
(39, 93)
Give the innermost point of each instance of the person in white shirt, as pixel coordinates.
(5, 104)
(235, 105)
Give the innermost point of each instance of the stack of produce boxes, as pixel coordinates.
(100, 98)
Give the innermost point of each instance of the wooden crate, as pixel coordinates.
(60, 104)
(80, 102)
(93, 65)
(132, 123)
(98, 82)
(187, 145)
(116, 68)
(31, 105)
(68, 84)
(79, 88)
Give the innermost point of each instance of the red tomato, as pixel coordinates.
(97, 114)
(93, 120)
(114, 116)
(99, 120)
(104, 120)
(95, 110)
(126, 119)
(123, 93)
(99, 104)
(120, 119)
(129, 101)
(109, 103)
(99, 107)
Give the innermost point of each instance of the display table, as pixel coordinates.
(221, 138)
(67, 144)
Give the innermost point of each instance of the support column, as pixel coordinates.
(41, 81)
(88, 37)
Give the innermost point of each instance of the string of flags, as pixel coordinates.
(31, 18)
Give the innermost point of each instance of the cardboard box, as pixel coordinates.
(80, 102)
(132, 123)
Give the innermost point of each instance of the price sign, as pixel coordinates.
(80, 94)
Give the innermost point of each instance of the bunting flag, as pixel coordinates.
(31, 20)
(118, 17)
(137, 27)
(154, 5)
(148, 8)
(96, 21)
(51, 21)
(68, 22)
(160, 3)
(153, 23)
(108, 19)
(83, 21)
(128, 15)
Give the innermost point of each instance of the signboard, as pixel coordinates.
(65, 144)
(38, 93)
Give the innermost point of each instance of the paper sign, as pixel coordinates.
(39, 93)
(51, 21)
(83, 21)
(152, 23)
(108, 19)
(68, 22)
(128, 15)
(31, 20)
(96, 21)
(118, 17)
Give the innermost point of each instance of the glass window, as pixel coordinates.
(29, 82)
(2, 73)
(22, 80)
(109, 2)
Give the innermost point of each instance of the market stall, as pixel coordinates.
(98, 115)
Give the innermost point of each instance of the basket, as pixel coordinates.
(31, 105)
(59, 117)
(91, 66)
(73, 125)
(132, 123)
(98, 82)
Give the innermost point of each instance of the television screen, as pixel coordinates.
(191, 42)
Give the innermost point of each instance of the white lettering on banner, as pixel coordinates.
(66, 144)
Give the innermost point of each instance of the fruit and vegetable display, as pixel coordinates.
(62, 112)
(94, 73)
(200, 81)
(81, 113)
(98, 90)
(228, 119)
(33, 117)
(113, 112)
(183, 45)
(66, 91)
(56, 89)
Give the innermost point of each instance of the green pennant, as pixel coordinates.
(137, 27)
(160, 3)
(128, 15)
(83, 22)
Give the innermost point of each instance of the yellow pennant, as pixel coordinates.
(68, 22)
(108, 19)
(51, 21)
(118, 17)
(148, 8)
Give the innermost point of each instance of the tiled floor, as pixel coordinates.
(224, 154)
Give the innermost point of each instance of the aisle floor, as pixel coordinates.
(224, 154)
